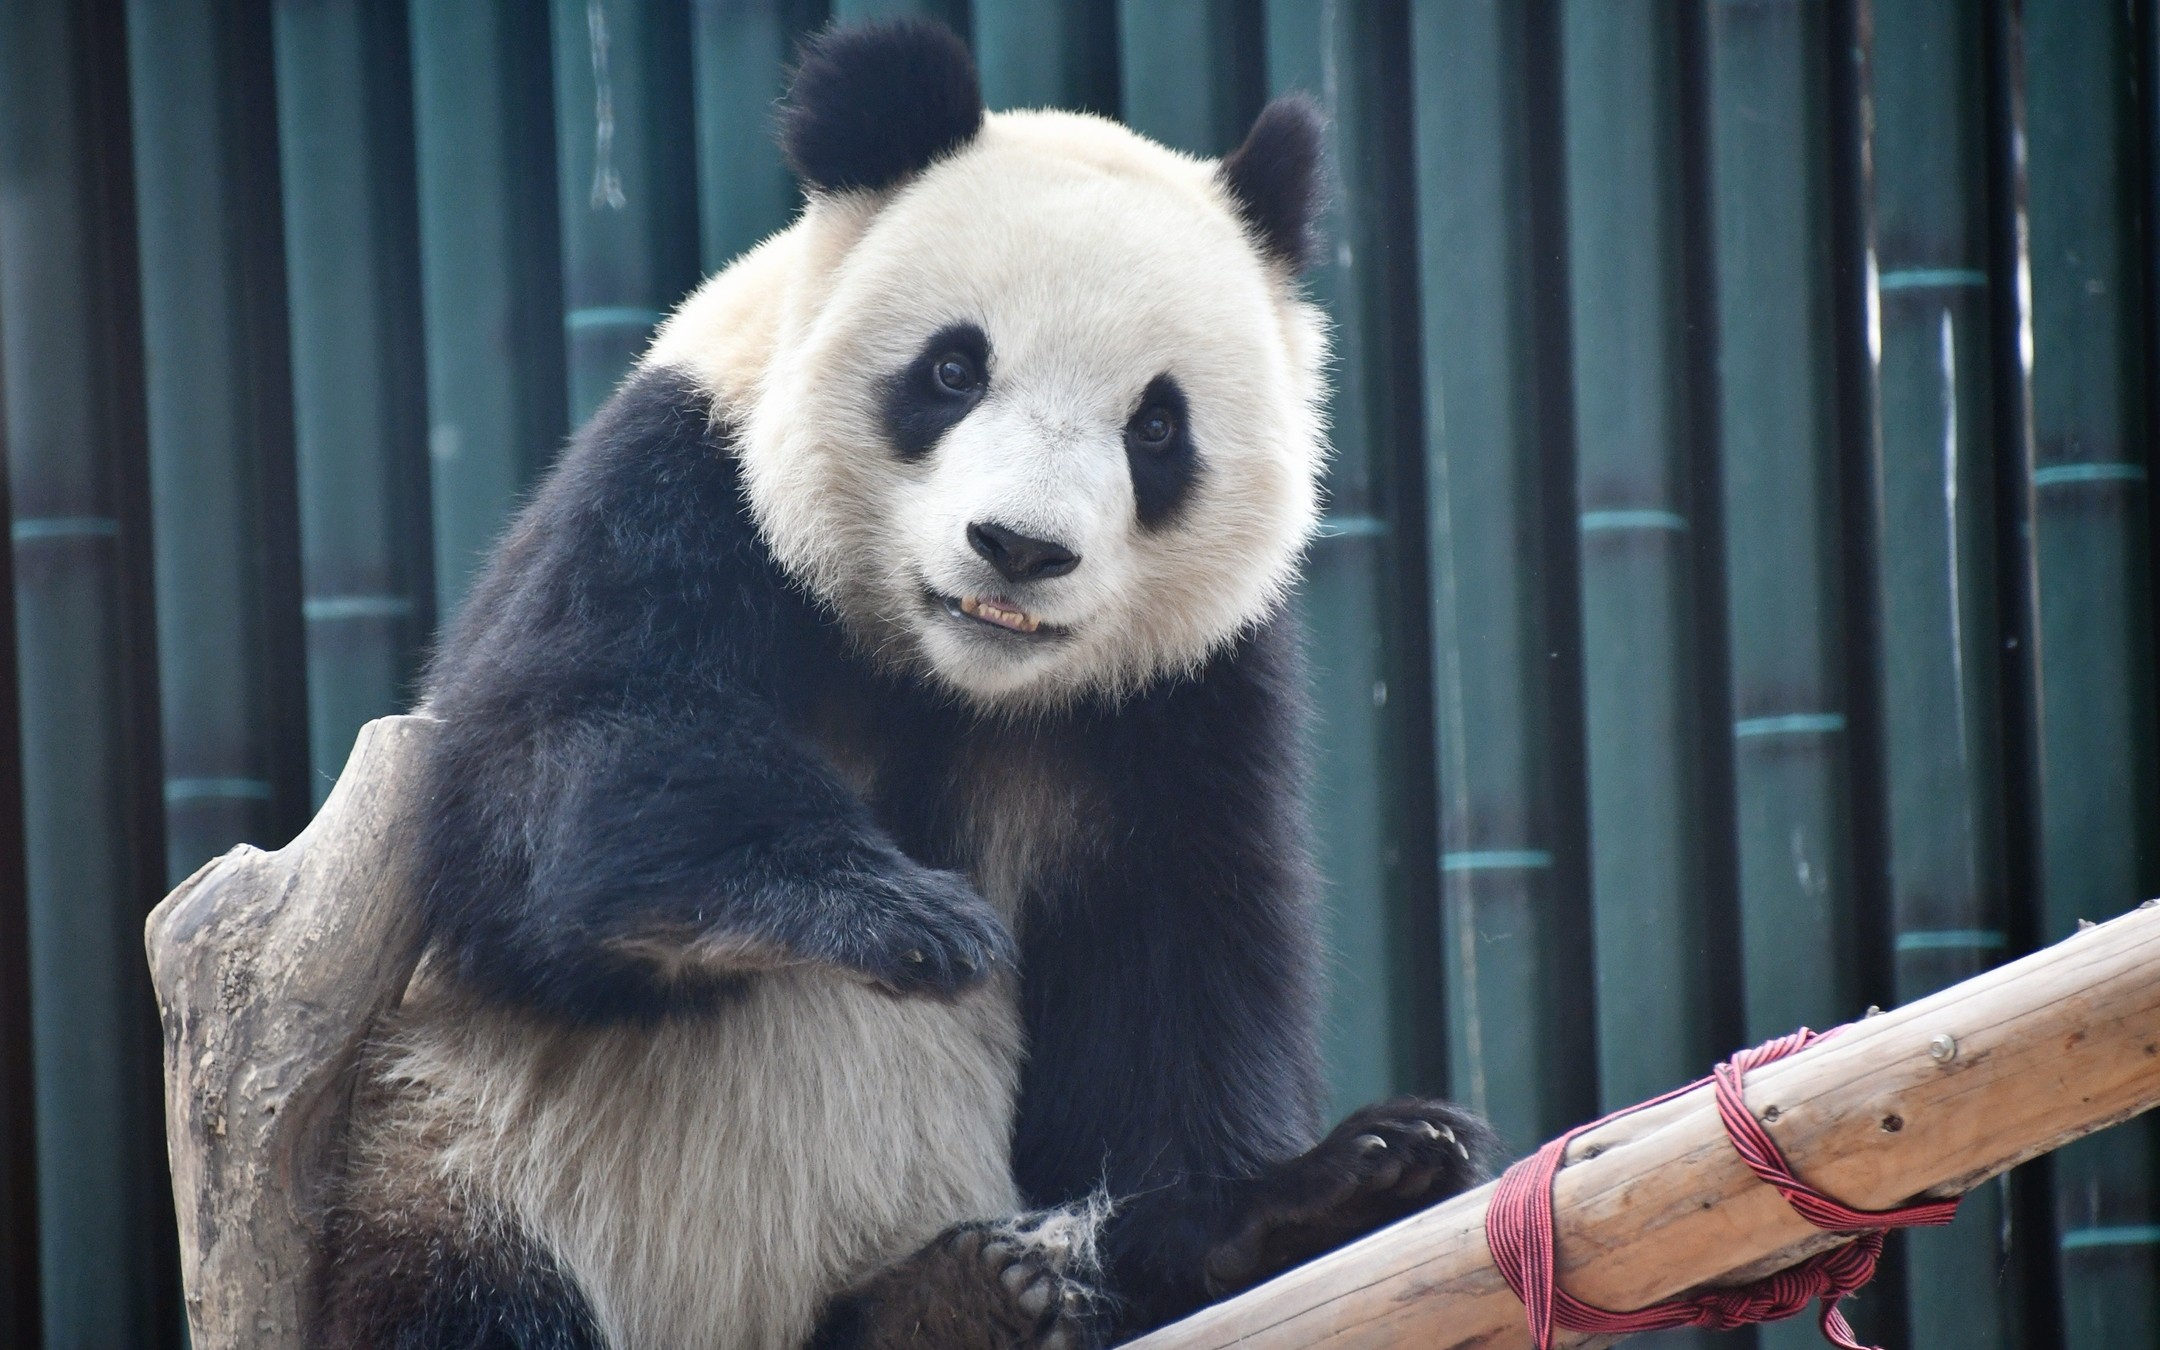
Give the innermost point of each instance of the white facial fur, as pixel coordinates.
(1094, 260)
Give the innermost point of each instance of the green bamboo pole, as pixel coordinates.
(21, 1319)
(80, 852)
(1658, 1020)
(1778, 424)
(346, 153)
(2089, 480)
(1660, 1014)
(1500, 528)
(1190, 72)
(2148, 15)
(230, 648)
(627, 181)
(1363, 599)
(491, 268)
(1662, 1011)
(1941, 698)
(21, 1316)
(1049, 53)
(742, 52)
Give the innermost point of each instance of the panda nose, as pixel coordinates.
(1018, 557)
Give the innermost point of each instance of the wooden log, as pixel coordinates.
(1928, 1100)
(269, 970)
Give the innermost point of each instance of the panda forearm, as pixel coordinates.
(625, 863)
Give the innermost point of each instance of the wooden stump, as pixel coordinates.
(269, 969)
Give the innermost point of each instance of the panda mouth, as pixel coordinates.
(996, 613)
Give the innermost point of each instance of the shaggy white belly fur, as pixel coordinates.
(707, 1182)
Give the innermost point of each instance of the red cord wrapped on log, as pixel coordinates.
(1519, 1230)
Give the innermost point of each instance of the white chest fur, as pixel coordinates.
(707, 1182)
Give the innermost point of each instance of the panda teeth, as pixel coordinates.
(991, 612)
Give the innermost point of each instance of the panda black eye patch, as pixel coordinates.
(1159, 451)
(931, 394)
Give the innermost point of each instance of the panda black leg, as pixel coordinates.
(1012, 1285)
(1385, 1162)
(385, 1290)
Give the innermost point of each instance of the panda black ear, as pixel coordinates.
(872, 103)
(1275, 178)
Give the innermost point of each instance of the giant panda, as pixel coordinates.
(862, 851)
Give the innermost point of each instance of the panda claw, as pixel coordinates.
(1034, 1299)
(977, 1284)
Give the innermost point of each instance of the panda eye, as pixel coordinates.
(1159, 452)
(955, 373)
(935, 389)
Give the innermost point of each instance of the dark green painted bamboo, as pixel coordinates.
(21, 1315)
(1657, 1021)
(742, 54)
(1778, 440)
(1660, 1015)
(1362, 598)
(2148, 15)
(491, 268)
(1049, 53)
(230, 651)
(79, 822)
(1514, 921)
(345, 140)
(1190, 72)
(2092, 519)
(627, 165)
(1934, 470)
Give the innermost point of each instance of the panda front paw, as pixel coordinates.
(916, 931)
(1012, 1285)
(1383, 1163)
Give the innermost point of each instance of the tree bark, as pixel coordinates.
(270, 968)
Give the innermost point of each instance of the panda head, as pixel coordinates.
(1039, 413)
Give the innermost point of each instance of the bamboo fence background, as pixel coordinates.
(1736, 604)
